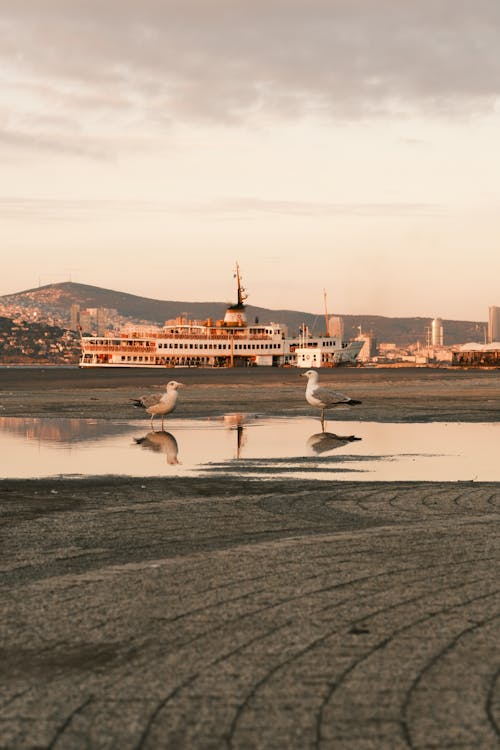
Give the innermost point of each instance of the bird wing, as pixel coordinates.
(150, 400)
(327, 396)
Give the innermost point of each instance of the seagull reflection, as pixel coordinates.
(235, 422)
(160, 442)
(322, 442)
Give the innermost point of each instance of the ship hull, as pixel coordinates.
(265, 346)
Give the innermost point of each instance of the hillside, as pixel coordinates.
(52, 303)
(28, 343)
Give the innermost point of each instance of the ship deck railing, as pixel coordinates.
(134, 342)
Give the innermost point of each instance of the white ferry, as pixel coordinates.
(231, 342)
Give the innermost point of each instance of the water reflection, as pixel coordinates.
(322, 442)
(235, 422)
(245, 444)
(57, 430)
(161, 442)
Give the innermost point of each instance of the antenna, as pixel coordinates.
(242, 295)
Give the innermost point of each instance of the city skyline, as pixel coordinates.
(345, 147)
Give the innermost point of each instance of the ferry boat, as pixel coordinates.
(230, 342)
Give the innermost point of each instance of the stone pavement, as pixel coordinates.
(174, 613)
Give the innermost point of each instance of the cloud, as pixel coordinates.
(141, 65)
(43, 209)
(51, 143)
(250, 207)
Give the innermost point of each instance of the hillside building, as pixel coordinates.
(95, 320)
(494, 324)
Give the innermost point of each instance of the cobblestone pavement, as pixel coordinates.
(189, 613)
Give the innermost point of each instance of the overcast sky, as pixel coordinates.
(345, 145)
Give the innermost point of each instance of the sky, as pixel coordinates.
(339, 147)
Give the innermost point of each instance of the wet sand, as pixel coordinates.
(391, 394)
(223, 613)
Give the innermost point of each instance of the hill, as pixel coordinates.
(52, 303)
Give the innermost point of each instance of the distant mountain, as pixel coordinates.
(53, 303)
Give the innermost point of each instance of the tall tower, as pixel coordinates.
(336, 326)
(494, 324)
(74, 317)
(437, 332)
(101, 320)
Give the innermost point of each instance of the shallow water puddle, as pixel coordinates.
(250, 446)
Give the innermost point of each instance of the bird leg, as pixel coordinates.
(152, 417)
(322, 420)
(162, 422)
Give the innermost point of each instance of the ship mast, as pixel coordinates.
(242, 295)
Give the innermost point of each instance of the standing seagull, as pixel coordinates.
(160, 405)
(324, 398)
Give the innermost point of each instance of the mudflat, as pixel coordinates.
(388, 394)
(226, 613)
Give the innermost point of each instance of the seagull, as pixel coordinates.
(159, 405)
(324, 398)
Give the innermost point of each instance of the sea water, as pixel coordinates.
(251, 446)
